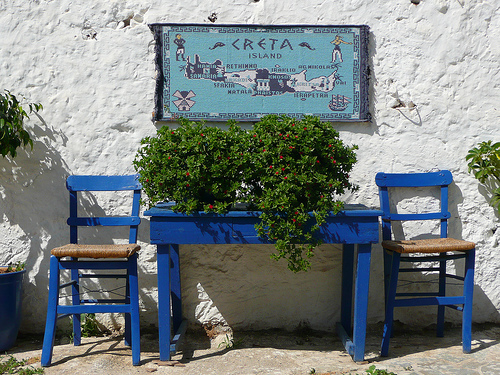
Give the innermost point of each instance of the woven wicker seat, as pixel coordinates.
(96, 251)
(427, 253)
(434, 245)
(86, 265)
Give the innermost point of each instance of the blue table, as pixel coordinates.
(355, 225)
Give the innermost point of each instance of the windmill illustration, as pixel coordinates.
(184, 102)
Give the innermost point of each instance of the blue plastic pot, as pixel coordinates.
(11, 286)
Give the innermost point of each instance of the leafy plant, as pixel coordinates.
(298, 171)
(89, 326)
(484, 162)
(12, 116)
(13, 267)
(197, 166)
(374, 371)
(229, 343)
(10, 365)
(292, 171)
(16, 267)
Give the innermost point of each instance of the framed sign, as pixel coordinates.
(244, 72)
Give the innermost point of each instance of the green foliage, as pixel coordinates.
(90, 327)
(484, 162)
(16, 267)
(374, 371)
(292, 171)
(10, 365)
(197, 166)
(298, 168)
(229, 343)
(12, 116)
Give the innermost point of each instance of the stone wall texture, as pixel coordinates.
(91, 65)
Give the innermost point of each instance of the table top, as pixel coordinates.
(355, 224)
(165, 210)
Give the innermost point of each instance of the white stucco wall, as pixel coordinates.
(94, 74)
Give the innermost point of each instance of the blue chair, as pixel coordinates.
(76, 257)
(438, 250)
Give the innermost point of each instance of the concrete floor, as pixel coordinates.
(276, 352)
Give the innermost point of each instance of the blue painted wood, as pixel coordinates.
(163, 274)
(361, 301)
(175, 287)
(103, 183)
(347, 286)
(179, 335)
(103, 221)
(168, 229)
(345, 338)
(51, 319)
(439, 180)
(468, 294)
(130, 306)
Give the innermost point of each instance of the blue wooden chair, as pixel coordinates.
(76, 257)
(438, 250)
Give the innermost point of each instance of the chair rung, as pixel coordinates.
(427, 269)
(417, 294)
(63, 316)
(432, 258)
(456, 277)
(103, 276)
(426, 301)
(103, 300)
(70, 283)
(91, 265)
(92, 309)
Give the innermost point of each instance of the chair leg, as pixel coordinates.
(442, 293)
(51, 320)
(468, 295)
(387, 273)
(134, 312)
(391, 296)
(75, 292)
(127, 337)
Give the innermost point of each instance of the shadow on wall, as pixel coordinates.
(241, 287)
(33, 210)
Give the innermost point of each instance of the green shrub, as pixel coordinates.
(484, 162)
(292, 171)
(12, 116)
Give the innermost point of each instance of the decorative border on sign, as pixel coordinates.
(202, 73)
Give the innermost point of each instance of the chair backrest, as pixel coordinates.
(77, 184)
(439, 179)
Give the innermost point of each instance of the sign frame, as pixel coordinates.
(244, 72)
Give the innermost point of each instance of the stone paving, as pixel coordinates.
(277, 352)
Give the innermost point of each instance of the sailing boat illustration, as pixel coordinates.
(338, 102)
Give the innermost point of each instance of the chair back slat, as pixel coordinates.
(412, 217)
(104, 221)
(440, 179)
(81, 183)
(103, 183)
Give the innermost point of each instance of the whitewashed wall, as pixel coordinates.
(91, 65)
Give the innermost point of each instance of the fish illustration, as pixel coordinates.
(218, 44)
(305, 44)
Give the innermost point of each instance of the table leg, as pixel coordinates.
(175, 287)
(163, 271)
(347, 282)
(361, 301)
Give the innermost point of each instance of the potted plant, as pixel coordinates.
(12, 136)
(291, 171)
(484, 162)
